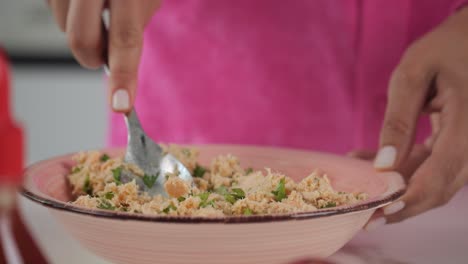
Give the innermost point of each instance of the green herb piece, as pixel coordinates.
(109, 195)
(212, 203)
(222, 190)
(204, 200)
(104, 157)
(206, 203)
(247, 211)
(199, 171)
(204, 196)
(233, 196)
(116, 173)
(168, 208)
(248, 170)
(76, 169)
(228, 197)
(181, 199)
(280, 192)
(124, 209)
(238, 193)
(149, 180)
(341, 193)
(329, 205)
(87, 188)
(106, 205)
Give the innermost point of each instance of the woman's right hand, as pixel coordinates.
(122, 44)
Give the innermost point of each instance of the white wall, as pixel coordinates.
(62, 109)
(27, 28)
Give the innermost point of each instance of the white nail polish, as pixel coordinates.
(120, 100)
(106, 70)
(393, 208)
(386, 157)
(374, 224)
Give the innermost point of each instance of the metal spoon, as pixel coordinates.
(149, 157)
(144, 152)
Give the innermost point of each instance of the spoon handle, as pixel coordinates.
(139, 145)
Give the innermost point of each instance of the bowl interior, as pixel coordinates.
(46, 180)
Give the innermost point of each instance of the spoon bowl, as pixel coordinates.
(147, 155)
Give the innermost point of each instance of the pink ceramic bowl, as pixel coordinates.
(132, 238)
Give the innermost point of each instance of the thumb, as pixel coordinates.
(407, 91)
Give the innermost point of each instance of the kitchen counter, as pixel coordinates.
(438, 236)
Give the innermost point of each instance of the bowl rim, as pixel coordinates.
(375, 203)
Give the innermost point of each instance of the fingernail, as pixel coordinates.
(385, 157)
(374, 224)
(106, 70)
(120, 100)
(393, 208)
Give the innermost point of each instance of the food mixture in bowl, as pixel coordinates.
(224, 188)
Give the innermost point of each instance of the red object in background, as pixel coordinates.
(16, 243)
(11, 138)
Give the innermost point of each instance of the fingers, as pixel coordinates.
(436, 181)
(148, 11)
(417, 156)
(444, 171)
(407, 93)
(60, 11)
(84, 32)
(423, 193)
(125, 45)
(92, 47)
(435, 125)
(127, 22)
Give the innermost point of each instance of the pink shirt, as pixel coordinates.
(302, 73)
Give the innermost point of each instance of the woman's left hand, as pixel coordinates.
(432, 77)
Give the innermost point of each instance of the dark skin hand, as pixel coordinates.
(89, 42)
(430, 78)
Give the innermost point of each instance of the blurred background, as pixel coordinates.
(60, 106)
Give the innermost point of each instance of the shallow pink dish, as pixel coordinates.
(133, 238)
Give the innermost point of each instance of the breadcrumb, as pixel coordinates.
(223, 189)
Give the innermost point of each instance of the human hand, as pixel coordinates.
(91, 44)
(431, 77)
